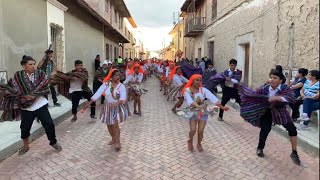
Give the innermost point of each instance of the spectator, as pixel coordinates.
(310, 96)
(202, 64)
(296, 85)
(97, 62)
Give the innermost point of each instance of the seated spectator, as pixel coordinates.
(310, 96)
(296, 85)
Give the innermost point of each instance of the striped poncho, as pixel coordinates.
(11, 94)
(254, 105)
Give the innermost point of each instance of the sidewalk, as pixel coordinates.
(10, 141)
(308, 139)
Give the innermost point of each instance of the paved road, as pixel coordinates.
(155, 147)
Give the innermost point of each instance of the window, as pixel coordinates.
(107, 51)
(214, 9)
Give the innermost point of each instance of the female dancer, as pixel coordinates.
(116, 109)
(134, 80)
(195, 95)
(168, 82)
(178, 83)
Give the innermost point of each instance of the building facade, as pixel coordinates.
(258, 33)
(79, 29)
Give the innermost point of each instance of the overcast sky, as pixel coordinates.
(154, 19)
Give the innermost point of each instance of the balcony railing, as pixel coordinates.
(195, 26)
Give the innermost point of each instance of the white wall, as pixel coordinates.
(55, 14)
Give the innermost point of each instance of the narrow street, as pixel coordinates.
(155, 147)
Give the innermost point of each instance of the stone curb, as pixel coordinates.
(15, 146)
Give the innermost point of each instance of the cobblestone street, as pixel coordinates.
(154, 146)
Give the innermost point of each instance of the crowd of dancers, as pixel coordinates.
(25, 96)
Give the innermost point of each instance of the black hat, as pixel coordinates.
(48, 51)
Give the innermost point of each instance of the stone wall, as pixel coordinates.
(265, 25)
(297, 43)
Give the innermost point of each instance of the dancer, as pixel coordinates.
(229, 91)
(116, 109)
(168, 82)
(49, 67)
(25, 97)
(178, 82)
(267, 106)
(134, 81)
(74, 85)
(195, 96)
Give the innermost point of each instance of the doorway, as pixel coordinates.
(246, 63)
(211, 50)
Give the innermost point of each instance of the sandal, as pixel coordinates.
(199, 147)
(190, 146)
(117, 147)
(23, 150)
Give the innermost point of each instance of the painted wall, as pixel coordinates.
(55, 15)
(84, 38)
(21, 32)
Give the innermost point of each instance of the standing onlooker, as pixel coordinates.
(97, 62)
(48, 66)
(296, 85)
(310, 96)
(202, 65)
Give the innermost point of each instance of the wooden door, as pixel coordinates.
(246, 64)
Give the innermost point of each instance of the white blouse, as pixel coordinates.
(202, 95)
(106, 88)
(134, 78)
(178, 80)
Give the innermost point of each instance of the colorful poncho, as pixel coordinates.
(189, 70)
(20, 85)
(254, 105)
(64, 82)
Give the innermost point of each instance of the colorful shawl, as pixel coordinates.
(189, 70)
(207, 80)
(254, 104)
(20, 85)
(64, 81)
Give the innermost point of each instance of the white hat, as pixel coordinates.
(109, 62)
(105, 62)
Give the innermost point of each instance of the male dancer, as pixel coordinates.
(229, 90)
(48, 66)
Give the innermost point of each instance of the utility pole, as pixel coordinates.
(174, 22)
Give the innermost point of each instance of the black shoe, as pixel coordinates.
(295, 158)
(260, 153)
(57, 104)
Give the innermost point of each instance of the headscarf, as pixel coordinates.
(173, 72)
(109, 75)
(133, 67)
(192, 78)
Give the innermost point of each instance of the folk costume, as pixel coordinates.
(75, 89)
(134, 81)
(111, 112)
(15, 106)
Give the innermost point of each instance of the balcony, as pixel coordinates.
(195, 26)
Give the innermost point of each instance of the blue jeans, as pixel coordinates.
(310, 105)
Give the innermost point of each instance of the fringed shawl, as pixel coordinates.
(20, 85)
(64, 81)
(254, 104)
